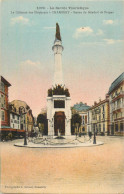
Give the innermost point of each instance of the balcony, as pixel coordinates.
(119, 106)
(121, 92)
(118, 96)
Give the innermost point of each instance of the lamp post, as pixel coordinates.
(94, 138)
(25, 135)
(94, 135)
(96, 111)
(25, 139)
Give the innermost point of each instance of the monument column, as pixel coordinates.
(58, 100)
(58, 48)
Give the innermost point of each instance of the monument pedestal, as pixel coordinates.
(59, 115)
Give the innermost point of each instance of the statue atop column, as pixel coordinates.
(58, 36)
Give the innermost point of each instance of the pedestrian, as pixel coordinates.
(90, 135)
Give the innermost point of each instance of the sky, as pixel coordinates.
(93, 41)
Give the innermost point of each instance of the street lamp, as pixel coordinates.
(96, 111)
(94, 136)
(25, 137)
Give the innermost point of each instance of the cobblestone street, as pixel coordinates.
(97, 169)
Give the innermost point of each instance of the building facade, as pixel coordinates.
(116, 101)
(4, 109)
(29, 121)
(14, 117)
(81, 109)
(26, 116)
(98, 117)
(14, 120)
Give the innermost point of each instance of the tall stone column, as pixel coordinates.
(57, 49)
(58, 100)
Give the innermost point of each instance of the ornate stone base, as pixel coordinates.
(59, 115)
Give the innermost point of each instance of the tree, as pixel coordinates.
(76, 121)
(76, 118)
(42, 123)
(41, 128)
(41, 118)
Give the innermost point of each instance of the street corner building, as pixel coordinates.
(15, 117)
(24, 115)
(116, 100)
(4, 106)
(7, 129)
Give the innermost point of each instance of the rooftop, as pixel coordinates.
(116, 82)
(5, 81)
(81, 107)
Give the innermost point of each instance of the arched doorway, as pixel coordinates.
(59, 123)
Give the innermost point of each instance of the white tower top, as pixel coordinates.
(58, 48)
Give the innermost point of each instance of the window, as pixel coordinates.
(88, 117)
(18, 117)
(13, 125)
(2, 87)
(121, 126)
(99, 127)
(118, 103)
(21, 126)
(3, 104)
(116, 127)
(103, 127)
(2, 115)
(103, 116)
(13, 116)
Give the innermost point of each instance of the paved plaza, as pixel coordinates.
(98, 169)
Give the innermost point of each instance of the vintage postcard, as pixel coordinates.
(62, 96)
